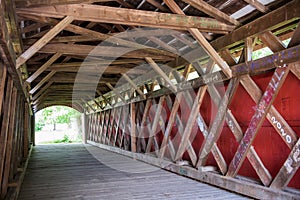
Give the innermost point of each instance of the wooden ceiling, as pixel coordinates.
(62, 59)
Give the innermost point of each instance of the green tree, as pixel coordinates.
(59, 115)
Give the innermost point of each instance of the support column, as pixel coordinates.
(133, 127)
(84, 127)
(33, 129)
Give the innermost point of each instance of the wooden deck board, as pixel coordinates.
(86, 172)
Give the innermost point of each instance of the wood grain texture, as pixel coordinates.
(60, 172)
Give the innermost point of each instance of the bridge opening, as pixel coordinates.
(58, 124)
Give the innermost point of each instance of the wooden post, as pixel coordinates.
(84, 127)
(33, 129)
(133, 127)
(26, 131)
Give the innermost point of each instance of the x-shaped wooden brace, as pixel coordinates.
(235, 128)
(201, 124)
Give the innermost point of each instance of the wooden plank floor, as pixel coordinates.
(87, 172)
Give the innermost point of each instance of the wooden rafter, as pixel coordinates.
(43, 81)
(37, 3)
(43, 41)
(279, 17)
(97, 13)
(212, 11)
(201, 39)
(43, 68)
(99, 51)
(259, 6)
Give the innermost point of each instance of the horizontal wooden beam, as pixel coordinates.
(125, 16)
(277, 18)
(36, 3)
(100, 51)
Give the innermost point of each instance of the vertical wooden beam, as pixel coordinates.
(9, 148)
(5, 127)
(84, 127)
(118, 126)
(155, 123)
(3, 74)
(33, 129)
(141, 135)
(43, 41)
(26, 131)
(133, 126)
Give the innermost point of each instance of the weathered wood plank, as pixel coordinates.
(216, 128)
(133, 126)
(42, 82)
(3, 80)
(289, 168)
(201, 39)
(96, 13)
(43, 41)
(278, 122)
(141, 131)
(134, 86)
(253, 190)
(43, 68)
(37, 3)
(5, 127)
(212, 11)
(158, 70)
(154, 126)
(118, 125)
(54, 182)
(259, 6)
(191, 120)
(9, 141)
(262, 109)
(283, 15)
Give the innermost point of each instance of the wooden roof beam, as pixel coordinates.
(134, 85)
(100, 36)
(100, 51)
(212, 11)
(37, 3)
(43, 68)
(96, 13)
(41, 83)
(259, 6)
(201, 39)
(277, 18)
(43, 41)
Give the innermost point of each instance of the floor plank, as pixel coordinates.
(85, 172)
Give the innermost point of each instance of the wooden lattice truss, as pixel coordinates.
(132, 127)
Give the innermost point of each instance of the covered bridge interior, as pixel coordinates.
(207, 89)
